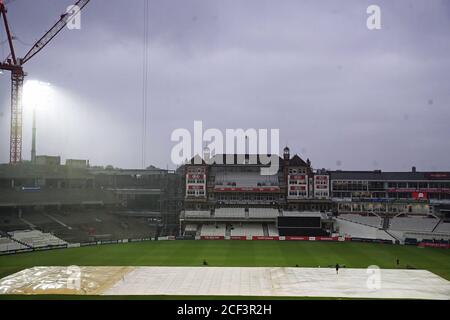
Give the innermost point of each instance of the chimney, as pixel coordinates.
(413, 169)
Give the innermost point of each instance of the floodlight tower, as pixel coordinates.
(15, 65)
(36, 95)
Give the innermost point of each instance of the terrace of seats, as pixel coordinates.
(213, 230)
(372, 221)
(197, 214)
(36, 238)
(229, 213)
(359, 230)
(190, 229)
(247, 229)
(262, 213)
(421, 228)
(443, 227)
(82, 225)
(7, 244)
(273, 231)
(421, 224)
(9, 221)
(61, 196)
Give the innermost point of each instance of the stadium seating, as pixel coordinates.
(358, 230)
(273, 231)
(247, 229)
(7, 244)
(420, 224)
(83, 225)
(190, 227)
(419, 229)
(197, 214)
(230, 213)
(213, 230)
(372, 221)
(443, 227)
(62, 196)
(262, 213)
(36, 238)
(304, 214)
(420, 236)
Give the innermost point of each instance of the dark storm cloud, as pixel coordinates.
(338, 92)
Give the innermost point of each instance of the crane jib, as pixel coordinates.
(14, 65)
(49, 35)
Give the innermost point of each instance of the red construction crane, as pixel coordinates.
(15, 65)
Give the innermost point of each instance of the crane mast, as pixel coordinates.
(15, 66)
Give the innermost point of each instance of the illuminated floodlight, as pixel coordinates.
(36, 94)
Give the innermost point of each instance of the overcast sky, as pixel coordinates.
(342, 95)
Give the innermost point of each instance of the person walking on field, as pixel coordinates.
(337, 268)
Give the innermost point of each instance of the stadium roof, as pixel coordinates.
(297, 161)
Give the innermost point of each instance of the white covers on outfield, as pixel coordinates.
(234, 281)
(275, 281)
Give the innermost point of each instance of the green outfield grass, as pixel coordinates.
(237, 253)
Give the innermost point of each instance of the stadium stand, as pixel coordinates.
(424, 236)
(82, 225)
(190, 230)
(295, 213)
(443, 227)
(7, 244)
(273, 231)
(262, 213)
(420, 229)
(421, 224)
(197, 214)
(10, 221)
(230, 213)
(358, 230)
(373, 221)
(213, 230)
(57, 196)
(190, 227)
(247, 229)
(36, 239)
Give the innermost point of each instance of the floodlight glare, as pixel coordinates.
(36, 94)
